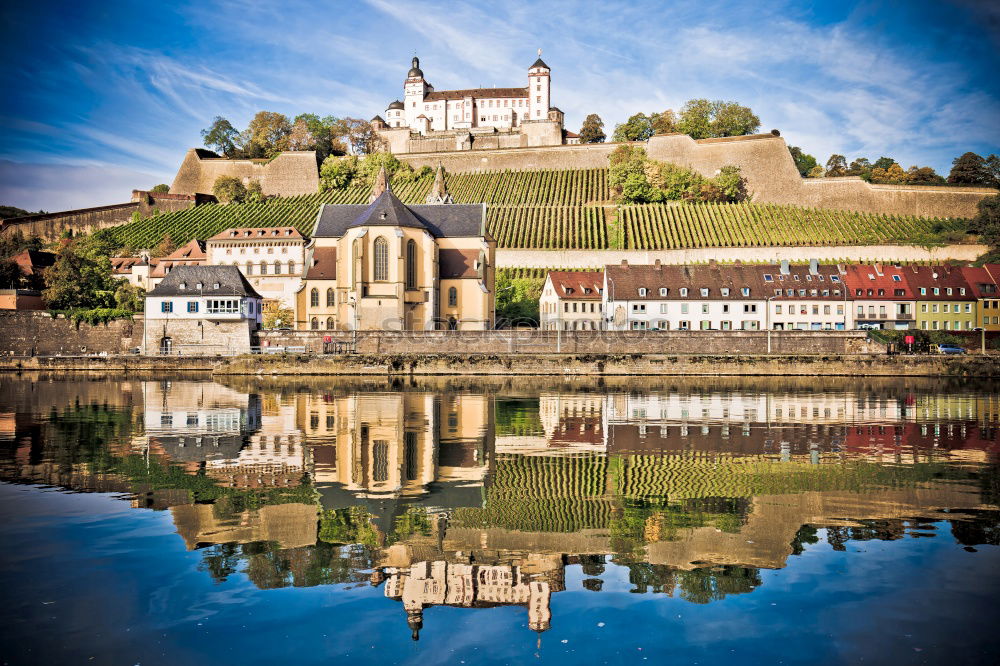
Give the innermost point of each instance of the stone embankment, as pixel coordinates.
(558, 365)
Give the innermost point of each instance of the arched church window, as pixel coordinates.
(452, 297)
(381, 259)
(411, 264)
(330, 301)
(329, 323)
(314, 324)
(314, 297)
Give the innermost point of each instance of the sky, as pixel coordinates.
(105, 97)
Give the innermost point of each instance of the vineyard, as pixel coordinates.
(567, 210)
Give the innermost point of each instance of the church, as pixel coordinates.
(428, 119)
(391, 266)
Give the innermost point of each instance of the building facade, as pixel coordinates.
(201, 310)
(271, 258)
(983, 282)
(389, 266)
(571, 301)
(945, 301)
(882, 297)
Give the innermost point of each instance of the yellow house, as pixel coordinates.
(945, 301)
(983, 282)
(389, 266)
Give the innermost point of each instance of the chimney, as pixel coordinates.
(784, 267)
(713, 263)
(737, 262)
(624, 263)
(814, 266)
(657, 264)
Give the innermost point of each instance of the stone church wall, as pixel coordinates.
(289, 174)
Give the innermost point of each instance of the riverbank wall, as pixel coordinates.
(507, 365)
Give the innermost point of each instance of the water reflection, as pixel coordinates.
(482, 495)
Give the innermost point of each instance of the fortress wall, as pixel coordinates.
(513, 258)
(290, 173)
(50, 226)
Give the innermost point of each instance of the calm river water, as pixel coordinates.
(318, 521)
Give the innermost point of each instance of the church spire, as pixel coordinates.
(381, 185)
(439, 192)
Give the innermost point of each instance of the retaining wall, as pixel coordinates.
(289, 174)
(524, 258)
(33, 333)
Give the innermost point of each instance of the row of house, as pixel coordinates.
(737, 296)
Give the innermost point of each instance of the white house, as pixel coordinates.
(201, 310)
(571, 301)
(272, 258)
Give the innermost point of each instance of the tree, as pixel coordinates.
(266, 135)
(164, 247)
(894, 175)
(130, 296)
(663, 123)
(816, 172)
(883, 162)
(162, 188)
(79, 280)
(923, 176)
(337, 172)
(860, 167)
(15, 242)
(301, 136)
(229, 189)
(696, 119)
(637, 128)
(10, 274)
(987, 221)
(836, 166)
(360, 135)
(517, 300)
(970, 169)
(255, 193)
(803, 161)
(993, 167)
(703, 119)
(731, 184)
(592, 130)
(275, 315)
(221, 136)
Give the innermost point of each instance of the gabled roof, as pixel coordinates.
(878, 277)
(32, 261)
(942, 277)
(229, 279)
(257, 233)
(455, 220)
(322, 264)
(193, 250)
(577, 285)
(125, 264)
(477, 93)
(539, 63)
(981, 281)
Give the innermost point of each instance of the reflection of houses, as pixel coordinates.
(272, 456)
(289, 525)
(197, 422)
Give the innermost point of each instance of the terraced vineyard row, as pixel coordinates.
(659, 226)
(547, 227)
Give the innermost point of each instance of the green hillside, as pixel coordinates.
(568, 209)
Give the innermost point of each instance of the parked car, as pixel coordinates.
(947, 349)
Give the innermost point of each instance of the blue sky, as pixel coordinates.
(104, 97)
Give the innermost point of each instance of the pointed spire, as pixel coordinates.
(439, 192)
(381, 185)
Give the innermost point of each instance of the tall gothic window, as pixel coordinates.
(314, 297)
(381, 259)
(330, 298)
(452, 297)
(411, 264)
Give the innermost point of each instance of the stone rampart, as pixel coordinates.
(39, 333)
(289, 174)
(50, 226)
(532, 258)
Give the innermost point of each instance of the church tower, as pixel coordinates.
(539, 88)
(415, 89)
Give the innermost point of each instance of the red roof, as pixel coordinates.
(479, 93)
(454, 263)
(257, 233)
(324, 264)
(878, 281)
(943, 278)
(981, 281)
(577, 285)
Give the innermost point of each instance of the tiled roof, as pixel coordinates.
(32, 261)
(478, 93)
(453, 220)
(193, 250)
(982, 283)
(454, 263)
(878, 282)
(577, 285)
(942, 277)
(723, 282)
(229, 279)
(323, 264)
(125, 264)
(257, 233)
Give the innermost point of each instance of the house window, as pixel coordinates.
(314, 297)
(745, 291)
(329, 323)
(314, 324)
(684, 291)
(411, 264)
(166, 306)
(663, 291)
(684, 308)
(704, 292)
(192, 306)
(263, 268)
(777, 309)
(381, 259)
(330, 298)
(642, 291)
(452, 297)
(750, 307)
(639, 308)
(663, 308)
(704, 308)
(291, 267)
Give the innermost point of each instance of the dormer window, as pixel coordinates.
(183, 285)
(777, 292)
(796, 278)
(937, 291)
(745, 291)
(871, 276)
(663, 291)
(684, 291)
(949, 291)
(923, 291)
(961, 290)
(704, 292)
(642, 291)
(768, 277)
(896, 278)
(215, 285)
(725, 291)
(834, 278)
(809, 278)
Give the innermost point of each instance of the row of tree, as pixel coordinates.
(967, 169)
(698, 118)
(270, 133)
